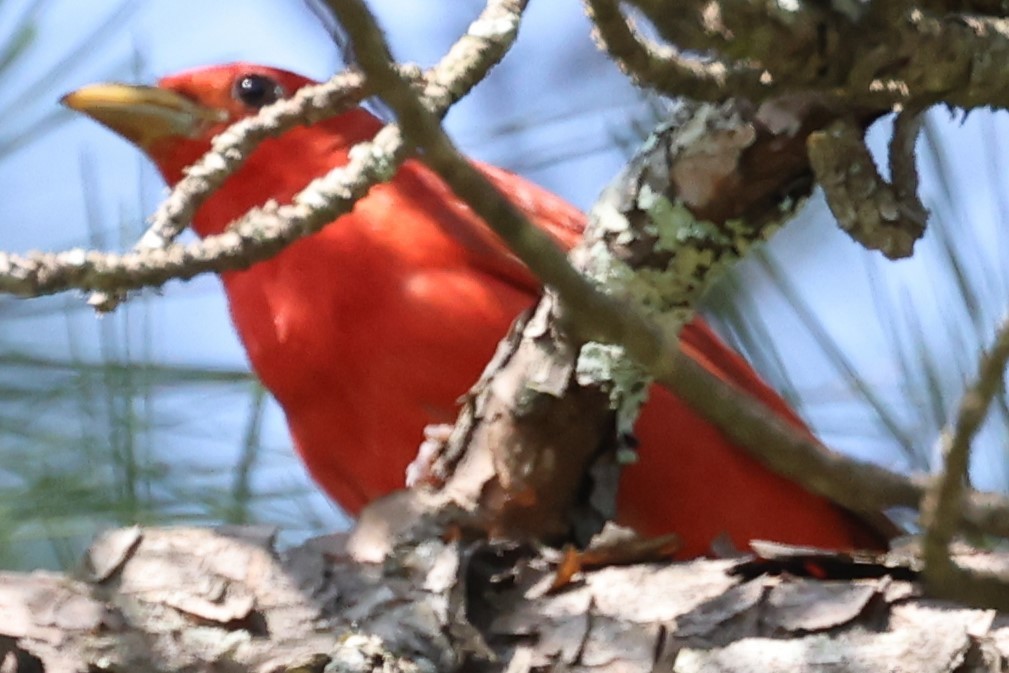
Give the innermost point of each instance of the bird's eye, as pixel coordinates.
(257, 91)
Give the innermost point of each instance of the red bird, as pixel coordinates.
(372, 328)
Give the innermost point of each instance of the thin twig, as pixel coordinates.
(942, 502)
(228, 151)
(265, 231)
(532, 245)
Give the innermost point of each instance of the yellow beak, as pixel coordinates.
(143, 114)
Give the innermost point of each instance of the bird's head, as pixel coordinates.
(174, 121)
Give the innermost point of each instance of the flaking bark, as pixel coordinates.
(542, 436)
(204, 600)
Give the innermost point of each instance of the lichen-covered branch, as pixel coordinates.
(650, 246)
(869, 55)
(797, 44)
(711, 183)
(879, 215)
(903, 161)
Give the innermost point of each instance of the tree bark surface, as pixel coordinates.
(188, 599)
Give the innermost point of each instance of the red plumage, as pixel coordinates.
(372, 328)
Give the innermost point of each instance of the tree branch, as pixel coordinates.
(943, 501)
(160, 600)
(903, 55)
(877, 214)
(228, 152)
(265, 231)
(859, 486)
(665, 68)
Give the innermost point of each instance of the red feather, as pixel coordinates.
(372, 328)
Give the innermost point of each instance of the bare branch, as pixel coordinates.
(264, 232)
(228, 152)
(943, 501)
(531, 244)
(256, 236)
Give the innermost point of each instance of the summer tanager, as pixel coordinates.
(372, 328)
